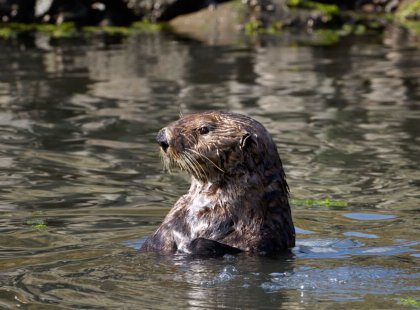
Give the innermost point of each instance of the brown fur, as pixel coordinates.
(238, 194)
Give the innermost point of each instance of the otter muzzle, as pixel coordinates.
(161, 139)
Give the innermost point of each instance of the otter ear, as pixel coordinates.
(246, 140)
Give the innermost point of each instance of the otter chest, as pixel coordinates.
(203, 218)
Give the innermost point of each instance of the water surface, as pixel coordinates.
(82, 185)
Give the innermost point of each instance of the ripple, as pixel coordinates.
(368, 216)
(342, 248)
(303, 231)
(345, 283)
(226, 275)
(359, 234)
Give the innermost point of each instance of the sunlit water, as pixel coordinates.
(82, 184)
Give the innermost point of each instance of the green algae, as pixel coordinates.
(6, 33)
(319, 202)
(37, 224)
(56, 31)
(66, 30)
(409, 302)
(408, 10)
(408, 15)
(326, 9)
(252, 27)
(147, 26)
(142, 26)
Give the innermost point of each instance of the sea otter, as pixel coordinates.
(238, 199)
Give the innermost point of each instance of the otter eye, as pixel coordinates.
(203, 130)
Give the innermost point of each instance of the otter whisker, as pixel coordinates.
(197, 167)
(182, 164)
(187, 165)
(192, 167)
(192, 163)
(166, 162)
(208, 159)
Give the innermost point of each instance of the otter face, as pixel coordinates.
(207, 145)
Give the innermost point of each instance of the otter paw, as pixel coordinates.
(210, 248)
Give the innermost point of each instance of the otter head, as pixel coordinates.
(214, 145)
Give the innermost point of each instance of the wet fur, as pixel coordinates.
(238, 199)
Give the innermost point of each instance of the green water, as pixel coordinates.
(82, 184)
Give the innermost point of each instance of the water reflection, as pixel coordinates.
(81, 179)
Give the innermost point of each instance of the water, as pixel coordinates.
(82, 185)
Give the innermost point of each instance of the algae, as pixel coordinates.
(408, 15)
(65, 30)
(408, 10)
(37, 224)
(142, 26)
(409, 302)
(56, 31)
(319, 202)
(326, 9)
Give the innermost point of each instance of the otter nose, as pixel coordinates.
(161, 139)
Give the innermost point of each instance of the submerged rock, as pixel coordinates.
(218, 25)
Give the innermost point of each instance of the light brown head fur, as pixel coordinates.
(214, 145)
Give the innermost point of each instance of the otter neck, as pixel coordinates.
(252, 184)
